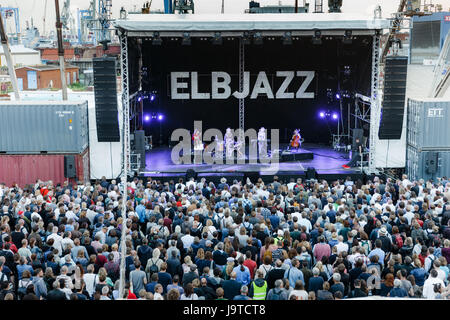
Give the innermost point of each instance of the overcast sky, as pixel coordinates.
(36, 8)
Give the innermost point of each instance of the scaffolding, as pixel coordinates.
(375, 103)
(126, 154)
(241, 89)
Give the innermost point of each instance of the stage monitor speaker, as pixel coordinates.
(393, 109)
(70, 170)
(311, 173)
(357, 134)
(105, 89)
(431, 162)
(139, 145)
(190, 173)
(252, 175)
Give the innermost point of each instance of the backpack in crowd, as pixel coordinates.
(153, 267)
(275, 296)
(398, 240)
(431, 264)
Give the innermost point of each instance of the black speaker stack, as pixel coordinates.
(105, 89)
(393, 107)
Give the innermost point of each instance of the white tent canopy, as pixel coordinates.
(146, 24)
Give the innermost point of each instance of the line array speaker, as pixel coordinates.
(393, 109)
(105, 88)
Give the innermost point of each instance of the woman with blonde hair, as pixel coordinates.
(103, 273)
(418, 272)
(200, 254)
(228, 246)
(209, 229)
(187, 264)
(228, 269)
(78, 276)
(81, 259)
(200, 259)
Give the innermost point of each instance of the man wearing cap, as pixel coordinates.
(222, 184)
(386, 242)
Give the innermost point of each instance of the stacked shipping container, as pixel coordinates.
(36, 136)
(428, 144)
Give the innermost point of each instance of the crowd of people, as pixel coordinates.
(194, 240)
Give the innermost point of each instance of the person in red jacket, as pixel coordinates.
(250, 264)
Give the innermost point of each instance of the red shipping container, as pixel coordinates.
(26, 169)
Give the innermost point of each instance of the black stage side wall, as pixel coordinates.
(326, 60)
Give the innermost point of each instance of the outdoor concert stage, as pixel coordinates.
(326, 161)
(283, 72)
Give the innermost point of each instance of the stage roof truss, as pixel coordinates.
(205, 25)
(238, 34)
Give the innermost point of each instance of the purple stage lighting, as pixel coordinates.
(152, 97)
(322, 114)
(139, 99)
(147, 118)
(338, 96)
(160, 117)
(335, 116)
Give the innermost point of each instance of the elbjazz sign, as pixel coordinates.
(221, 86)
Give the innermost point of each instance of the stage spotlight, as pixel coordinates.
(160, 117)
(347, 71)
(152, 97)
(139, 99)
(335, 116)
(257, 38)
(157, 41)
(347, 37)
(217, 39)
(338, 96)
(186, 39)
(287, 39)
(317, 39)
(322, 114)
(147, 118)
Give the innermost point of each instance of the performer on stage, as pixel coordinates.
(262, 142)
(219, 148)
(238, 146)
(296, 141)
(196, 137)
(229, 143)
(357, 150)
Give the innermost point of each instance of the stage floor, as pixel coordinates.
(326, 161)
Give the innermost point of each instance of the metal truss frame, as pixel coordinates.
(125, 103)
(375, 105)
(362, 109)
(241, 88)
